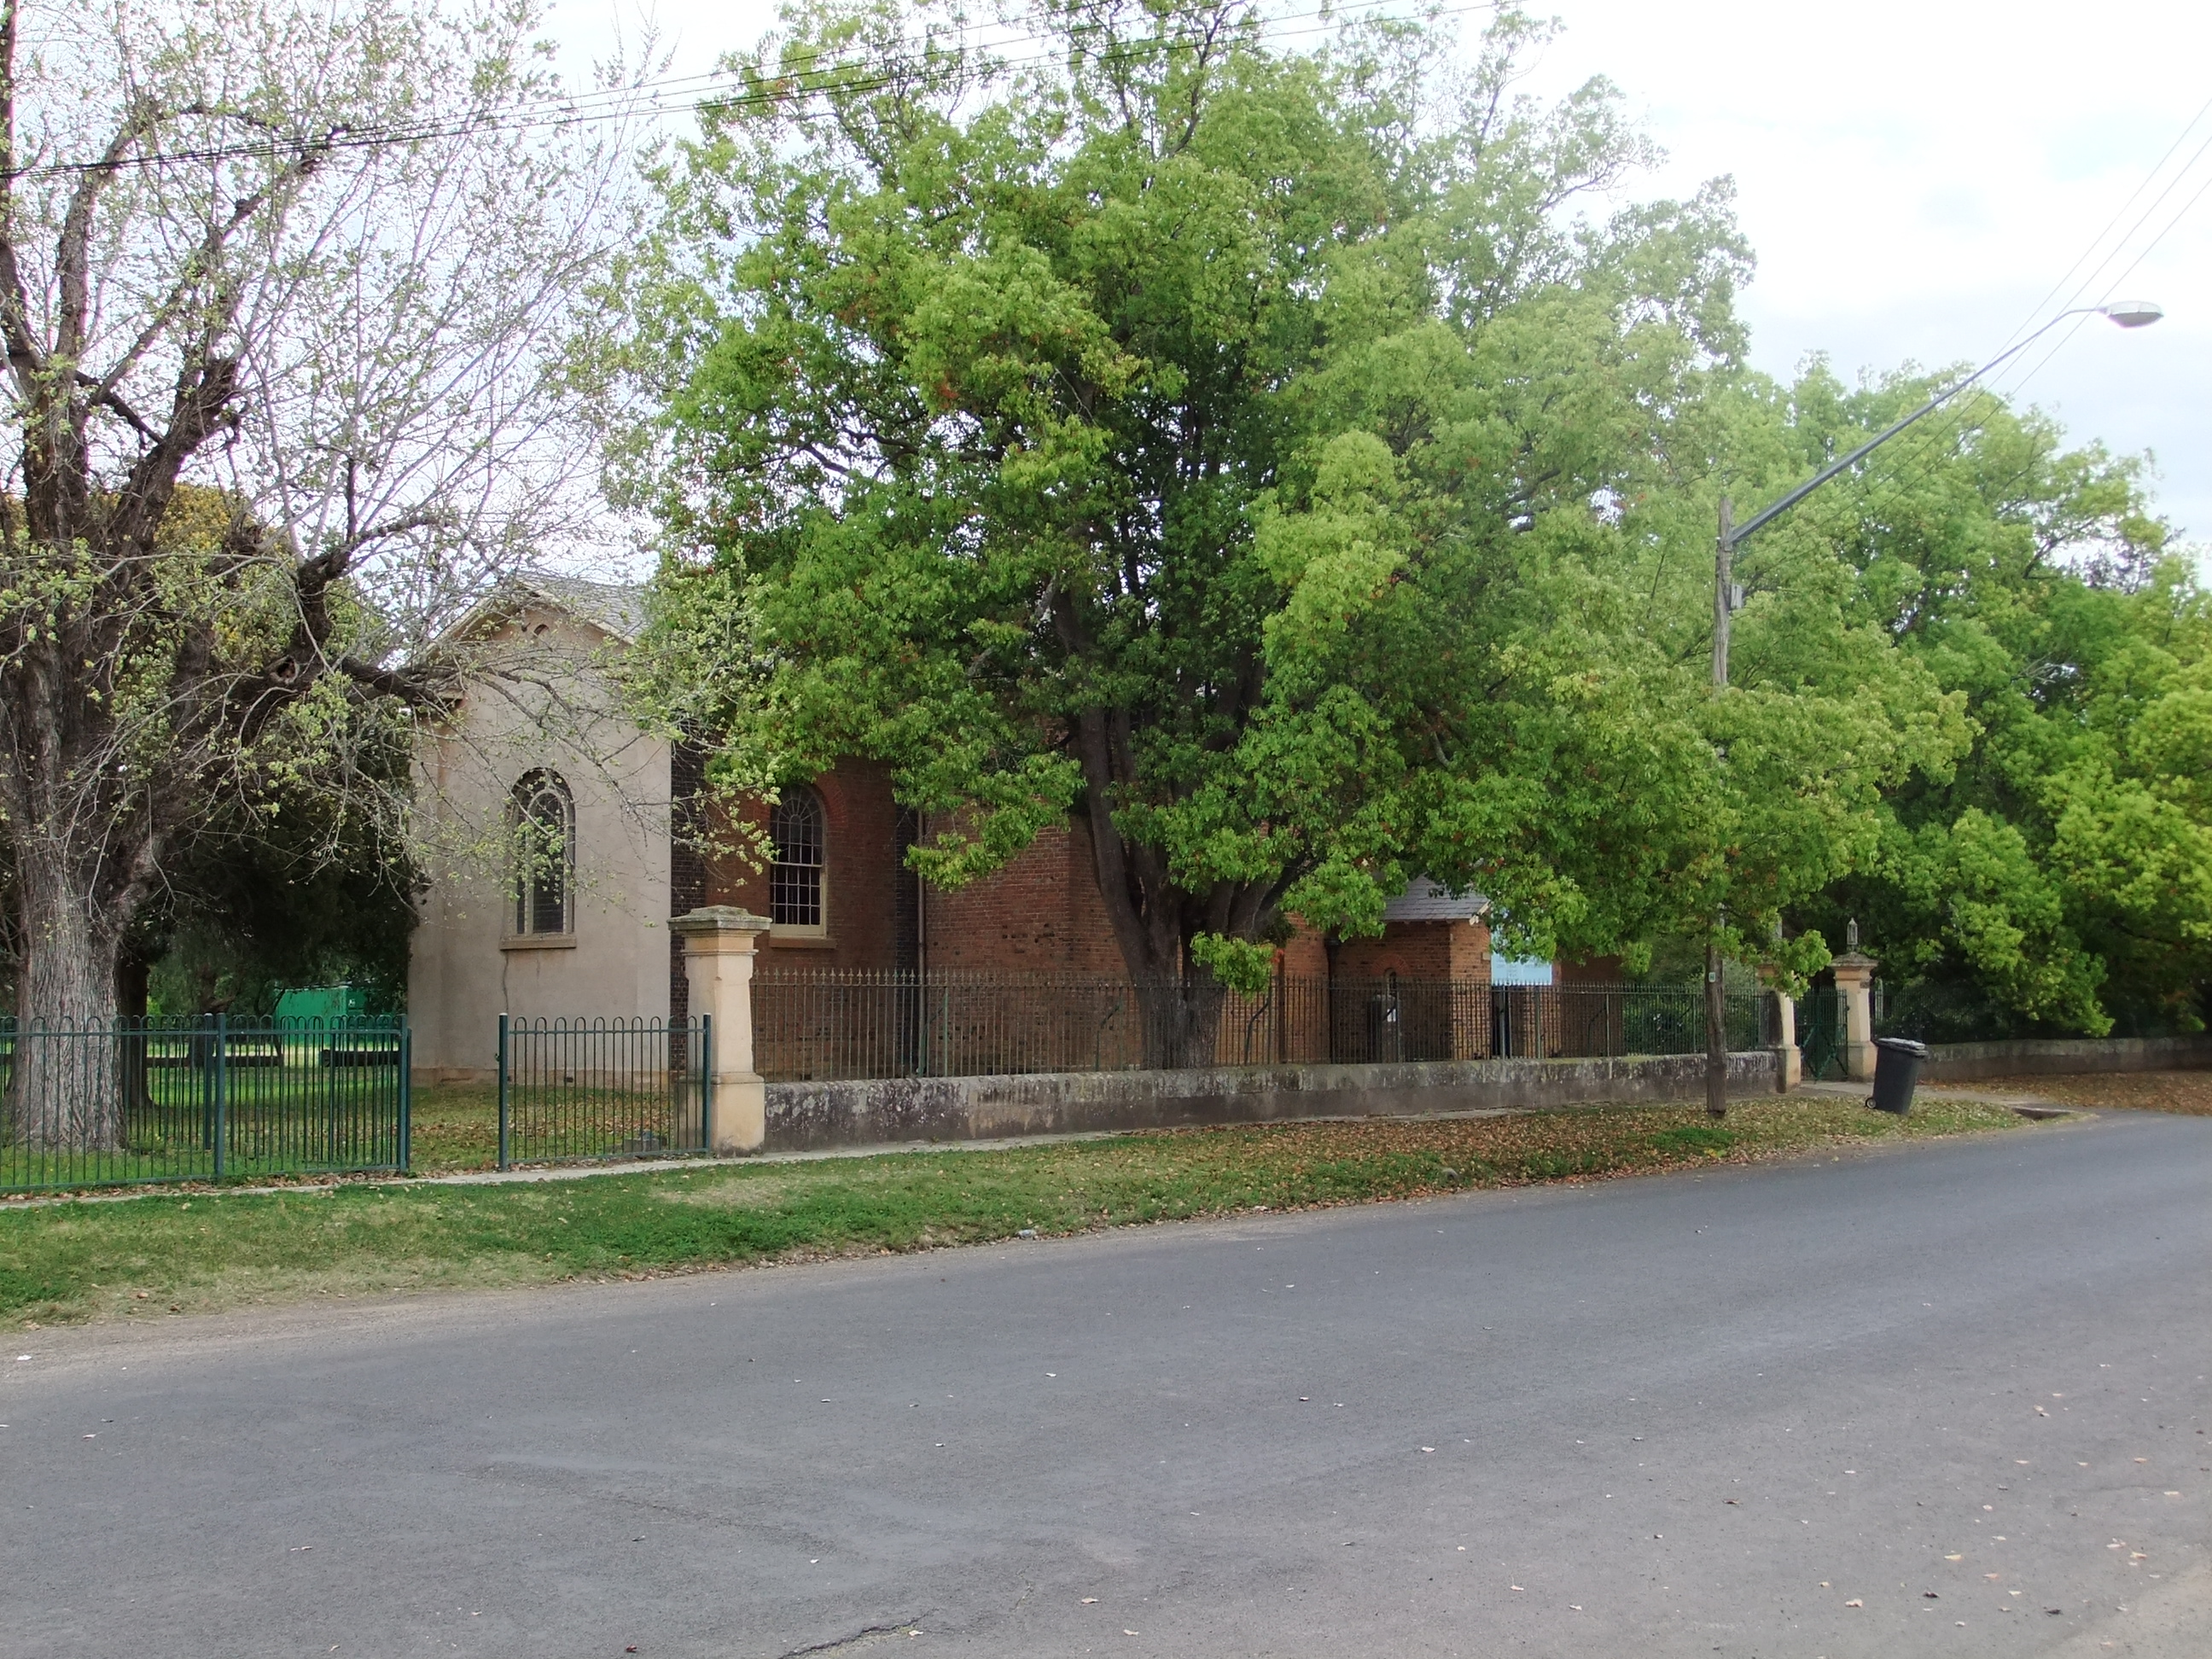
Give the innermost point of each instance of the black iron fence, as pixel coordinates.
(139, 1100)
(603, 1088)
(845, 1024)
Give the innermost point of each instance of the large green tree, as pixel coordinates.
(1280, 463)
(2059, 875)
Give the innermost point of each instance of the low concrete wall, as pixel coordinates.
(1967, 1062)
(803, 1116)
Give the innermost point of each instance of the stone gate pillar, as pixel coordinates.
(719, 943)
(1854, 983)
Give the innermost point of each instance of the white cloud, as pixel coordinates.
(1916, 175)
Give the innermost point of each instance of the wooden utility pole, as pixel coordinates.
(1723, 588)
(1715, 988)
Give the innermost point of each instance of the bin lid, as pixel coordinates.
(1903, 1046)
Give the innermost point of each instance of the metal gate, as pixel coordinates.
(1821, 1033)
(603, 1088)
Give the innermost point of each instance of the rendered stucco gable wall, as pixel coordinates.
(539, 702)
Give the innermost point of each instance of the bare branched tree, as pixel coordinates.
(283, 291)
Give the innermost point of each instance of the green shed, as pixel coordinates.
(326, 1004)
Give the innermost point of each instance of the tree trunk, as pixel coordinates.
(1715, 1032)
(1179, 1001)
(1182, 1018)
(65, 1089)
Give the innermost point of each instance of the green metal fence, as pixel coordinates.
(603, 1088)
(139, 1101)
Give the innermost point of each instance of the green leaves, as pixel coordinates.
(2052, 877)
(1254, 455)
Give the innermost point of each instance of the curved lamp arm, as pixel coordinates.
(2128, 313)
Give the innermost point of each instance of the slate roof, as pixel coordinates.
(617, 607)
(1425, 901)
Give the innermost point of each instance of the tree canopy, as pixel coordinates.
(1299, 468)
(2059, 876)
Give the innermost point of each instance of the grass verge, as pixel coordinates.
(2188, 1093)
(205, 1250)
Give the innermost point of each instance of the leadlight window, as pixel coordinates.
(543, 822)
(795, 859)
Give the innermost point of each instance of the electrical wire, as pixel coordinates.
(2113, 286)
(1957, 422)
(820, 79)
(2043, 305)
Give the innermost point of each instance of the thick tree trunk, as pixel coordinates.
(1182, 1018)
(1179, 1001)
(66, 1087)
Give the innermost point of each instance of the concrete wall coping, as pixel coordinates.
(1967, 1062)
(876, 1110)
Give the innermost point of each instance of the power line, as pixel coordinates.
(2118, 213)
(2112, 287)
(816, 79)
(1957, 421)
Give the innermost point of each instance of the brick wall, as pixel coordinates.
(1042, 912)
(686, 863)
(1458, 950)
(861, 875)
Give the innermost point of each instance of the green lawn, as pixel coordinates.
(192, 1251)
(454, 1128)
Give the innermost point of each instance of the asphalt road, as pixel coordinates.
(1763, 1412)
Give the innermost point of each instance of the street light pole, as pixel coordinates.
(2127, 314)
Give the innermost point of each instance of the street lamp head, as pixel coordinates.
(2132, 313)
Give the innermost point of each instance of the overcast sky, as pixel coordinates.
(1917, 176)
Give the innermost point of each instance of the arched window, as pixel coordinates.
(543, 819)
(795, 859)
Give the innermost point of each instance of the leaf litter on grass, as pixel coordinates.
(61, 1263)
(2187, 1094)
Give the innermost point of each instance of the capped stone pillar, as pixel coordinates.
(1854, 983)
(718, 944)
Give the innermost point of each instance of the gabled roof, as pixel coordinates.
(1425, 901)
(618, 609)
